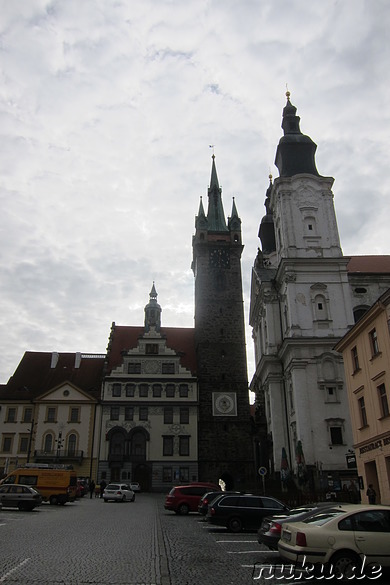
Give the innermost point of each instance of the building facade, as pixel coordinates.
(224, 433)
(150, 405)
(50, 412)
(366, 352)
(304, 297)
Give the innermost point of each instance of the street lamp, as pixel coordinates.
(31, 431)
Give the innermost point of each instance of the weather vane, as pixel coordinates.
(212, 146)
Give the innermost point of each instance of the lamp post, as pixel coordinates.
(31, 431)
(59, 444)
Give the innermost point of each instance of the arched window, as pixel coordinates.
(72, 441)
(358, 312)
(138, 445)
(48, 443)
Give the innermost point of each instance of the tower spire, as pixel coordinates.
(215, 213)
(296, 152)
(153, 311)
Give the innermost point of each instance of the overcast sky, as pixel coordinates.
(107, 111)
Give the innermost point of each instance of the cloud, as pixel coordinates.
(107, 110)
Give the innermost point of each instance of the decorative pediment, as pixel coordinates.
(66, 392)
(318, 286)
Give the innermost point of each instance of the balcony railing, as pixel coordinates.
(59, 455)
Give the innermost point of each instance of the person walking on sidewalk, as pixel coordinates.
(91, 488)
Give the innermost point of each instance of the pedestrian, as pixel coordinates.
(102, 487)
(91, 488)
(371, 493)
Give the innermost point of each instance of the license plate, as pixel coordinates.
(286, 536)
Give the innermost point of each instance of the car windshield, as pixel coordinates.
(323, 517)
(112, 486)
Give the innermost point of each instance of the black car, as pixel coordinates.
(208, 498)
(271, 527)
(243, 511)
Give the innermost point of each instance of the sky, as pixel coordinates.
(108, 109)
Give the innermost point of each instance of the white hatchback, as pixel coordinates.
(345, 541)
(118, 492)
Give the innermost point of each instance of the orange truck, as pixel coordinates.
(56, 484)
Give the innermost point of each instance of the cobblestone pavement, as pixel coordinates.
(93, 543)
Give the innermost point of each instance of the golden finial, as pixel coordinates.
(287, 93)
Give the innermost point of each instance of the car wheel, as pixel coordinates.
(183, 509)
(53, 500)
(133, 498)
(234, 525)
(124, 498)
(105, 500)
(344, 565)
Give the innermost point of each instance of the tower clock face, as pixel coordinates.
(220, 258)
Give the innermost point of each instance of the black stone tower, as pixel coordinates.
(224, 433)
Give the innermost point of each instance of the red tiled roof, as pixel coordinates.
(34, 376)
(180, 339)
(373, 264)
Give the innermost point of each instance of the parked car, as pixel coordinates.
(340, 541)
(183, 499)
(243, 511)
(208, 498)
(135, 487)
(82, 488)
(271, 527)
(19, 496)
(118, 492)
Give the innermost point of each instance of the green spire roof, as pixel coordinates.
(215, 213)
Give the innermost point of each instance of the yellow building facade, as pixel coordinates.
(366, 354)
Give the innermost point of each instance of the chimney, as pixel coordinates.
(77, 360)
(54, 359)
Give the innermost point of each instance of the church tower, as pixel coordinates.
(300, 307)
(224, 440)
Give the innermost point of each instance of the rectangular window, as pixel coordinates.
(355, 359)
(184, 445)
(184, 474)
(134, 368)
(167, 446)
(374, 342)
(27, 415)
(114, 413)
(11, 414)
(7, 444)
(183, 390)
(331, 394)
(384, 405)
(363, 413)
(116, 390)
(130, 390)
(143, 390)
(51, 414)
(151, 348)
(129, 413)
(143, 413)
(168, 416)
(167, 474)
(170, 391)
(184, 416)
(157, 390)
(168, 368)
(336, 435)
(23, 444)
(74, 415)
